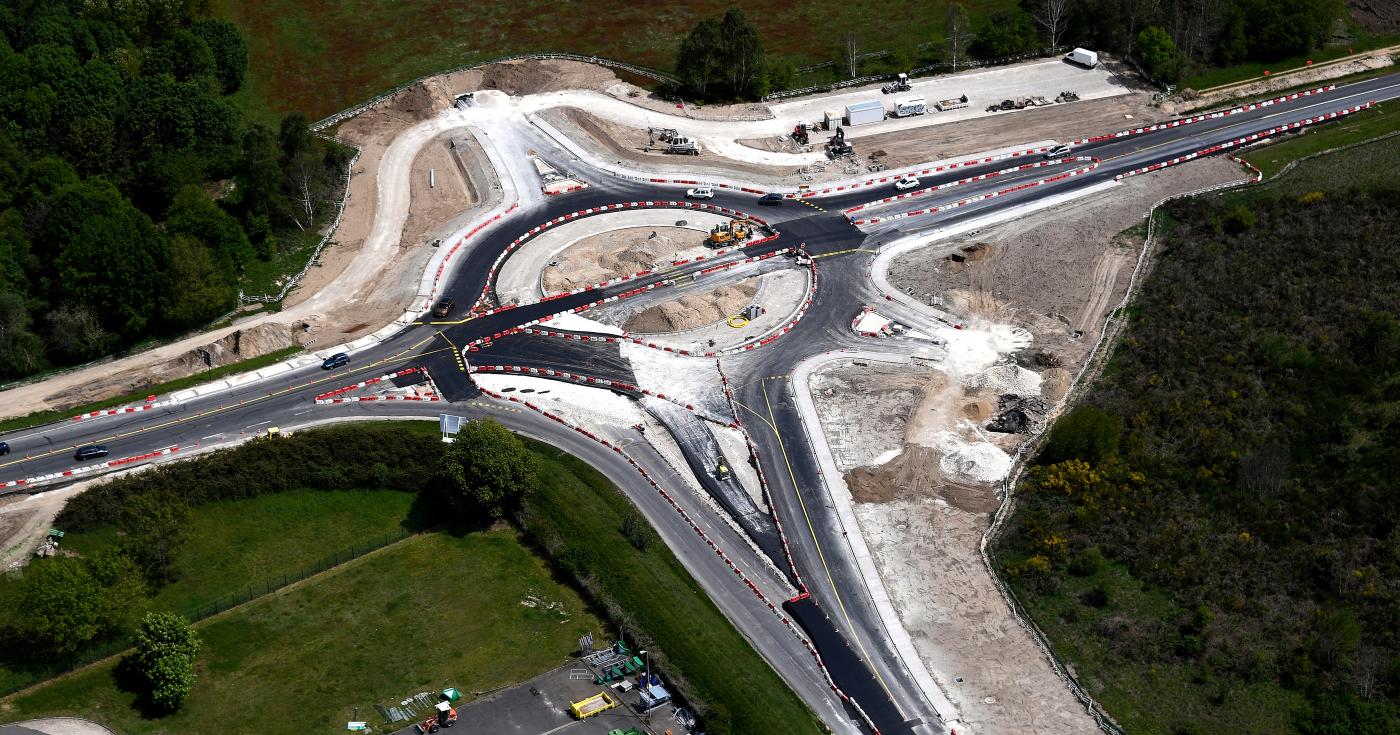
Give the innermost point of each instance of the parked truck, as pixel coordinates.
(909, 106)
(1084, 57)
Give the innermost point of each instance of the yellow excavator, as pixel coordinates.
(729, 232)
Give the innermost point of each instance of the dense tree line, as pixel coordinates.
(132, 194)
(1238, 458)
(722, 59)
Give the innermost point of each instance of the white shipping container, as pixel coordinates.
(865, 112)
(908, 106)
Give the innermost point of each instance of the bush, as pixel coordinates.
(165, 650)
(1086, 433)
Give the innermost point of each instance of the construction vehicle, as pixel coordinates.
(952, 103)
(730, 232)
(909, 106)
(900, 84)
(683, 146)
(1067, 97)
(596, 704)
(837, 146)
(799, 134)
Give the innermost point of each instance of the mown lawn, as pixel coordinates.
(581, 512)
(429, 611)
(1340, 170)
(319, 57)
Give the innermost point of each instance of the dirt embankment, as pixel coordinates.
(631, 144)
(1380, 17)
(698, 310)
(616, 253)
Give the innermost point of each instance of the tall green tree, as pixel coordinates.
(486, 471)
(229, 49)
(723, 58)
(71, 603)
(1159, 55)
(166, 647)
(156, 525)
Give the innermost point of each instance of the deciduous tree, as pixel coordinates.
(166, 648)
(486, 471)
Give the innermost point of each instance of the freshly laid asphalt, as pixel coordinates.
(852, 639)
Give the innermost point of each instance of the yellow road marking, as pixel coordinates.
(248, 402)
(845, 252)
(822, 555)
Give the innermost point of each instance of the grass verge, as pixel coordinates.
(579, 517)
(44, 417)
(1231, 74)
(1355, 128)
(423, 613)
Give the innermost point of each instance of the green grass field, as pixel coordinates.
(1356, 128)
(1241, 72)
(430, 611)
(44, 417)
(583, 512)
(319, 57)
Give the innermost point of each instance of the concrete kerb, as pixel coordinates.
(840, 496)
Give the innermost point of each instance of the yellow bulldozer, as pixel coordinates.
(728, 233)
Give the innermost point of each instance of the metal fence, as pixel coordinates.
(294, 281)
(17, 680)
(1093, 364)
(349, 112)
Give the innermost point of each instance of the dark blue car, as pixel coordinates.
(91, 451)
(339, 359)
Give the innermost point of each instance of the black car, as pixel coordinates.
(91, 451)
(771, 200)
(443, 307)
(339, 359)
(4, 449)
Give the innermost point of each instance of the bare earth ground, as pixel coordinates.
(615, 253)
(1058, 270)
(1378, 16)
(695, 310)
(1054, 272)
(630, 144)
(1378, 59)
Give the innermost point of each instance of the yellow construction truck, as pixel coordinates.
(730, 232)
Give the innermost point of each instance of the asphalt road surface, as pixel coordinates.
(853, 640)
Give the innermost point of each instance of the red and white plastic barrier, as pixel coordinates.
(616, 385)
(776, 610)
(442, 267)
(980, 197)
(963, 182)
(150, 404)
(363, 383)
(78, 471)
(1244, 140)
(653, 204)
(1204, 116)
(891, 178)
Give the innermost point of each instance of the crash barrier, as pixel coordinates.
(617, 385)
(369, 381)
(627, 337)
(14, 681)
(762, 480)
(1244, 140)
(1203, 116)
(571, 189)
(856, 321)
(963, 182)
(890, 178)
(442, 267)
(1094, 163)
(1258, 175)
(16, 485)
(816, 88)
(295, 280)
(776, 610)
(349, 112)
(150, 404)
(591, 211)
(476, 344)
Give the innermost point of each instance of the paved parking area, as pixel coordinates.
(520, 711)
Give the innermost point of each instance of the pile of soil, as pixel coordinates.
(534, 77)
(616, 253)
(690, 312)
(912, 475)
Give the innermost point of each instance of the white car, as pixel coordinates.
(703, 192)
(906, 183)
(1058, 151)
